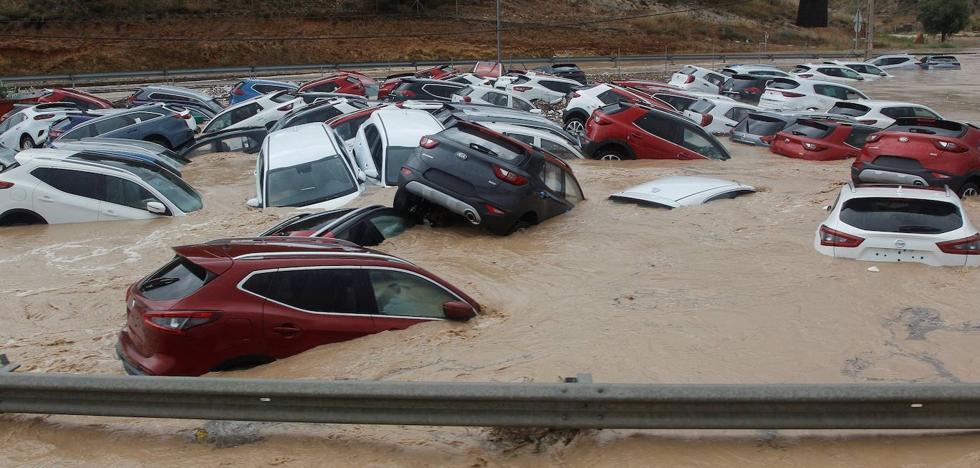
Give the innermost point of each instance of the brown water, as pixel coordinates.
(729, 292)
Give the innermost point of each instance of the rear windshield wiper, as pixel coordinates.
(158, 283)
(482, 149)
(798, 133)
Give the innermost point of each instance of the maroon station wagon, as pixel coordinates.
(236, 302)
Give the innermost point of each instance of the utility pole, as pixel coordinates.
(871, 30)
(500, 62)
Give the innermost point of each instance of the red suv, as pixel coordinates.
(236, 302)
(81, 99)
(917, 151)
(623, 131)
(343, 82)
(821, 140)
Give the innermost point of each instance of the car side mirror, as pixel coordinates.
(371, 172)
(156, 207)
(535, 111)
(361, 176)
(253, 202)
(458, 310)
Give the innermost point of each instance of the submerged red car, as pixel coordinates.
(820, 140)
(347, 82)
(81, 99)
(918, 151)
(236, 302)
(624, 131)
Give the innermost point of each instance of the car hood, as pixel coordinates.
(676, 191)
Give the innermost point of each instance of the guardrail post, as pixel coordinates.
(6, 365)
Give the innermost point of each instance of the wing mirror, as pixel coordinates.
(253, 202)
(371, 172)
(458, 310)
(535, 111)
(156, 207)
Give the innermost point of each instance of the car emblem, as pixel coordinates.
(904, 139)
(462, 156)
(132, 303)
(786, 140)
(900, 244)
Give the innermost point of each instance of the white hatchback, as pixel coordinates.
(718, 116)
(28, 127)
(899, 224)
(882, 114)
(888, 62)
(538, 86)
(261, 111)
(825, 72)
(787, 94)
(388, 138)
(867, 70)
(698, 79)
(493, 97)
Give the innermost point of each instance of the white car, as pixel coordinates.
(470, 79)
(538, 86)
(493, 97)
(579, 108)
(264, 110)
(899, 224)
(822, 72)
(718, 116)
(677, 191)
(304, 166)
(60, 186)
(28, 127)
(755, 70)
(882, 114)
(788, 94)
(888, 62)
(388, 138)
(867, 70)
(698, 79)
(544, 139)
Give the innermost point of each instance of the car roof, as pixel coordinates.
(272, 82)
(903, 191)
(179, 90)
(298, 144)
(502, 127)
(402, 126)
(274, 249)
(874, 103)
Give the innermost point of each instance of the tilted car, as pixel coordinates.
(584, 101)
(718, 116)
(759, 128)
(27, 127)
(546, 140)
(163, 124)
(388, 138)
(319, 111)
(81, 99)
(264, 110)
(678, 191)
(882, 114)
(622, 131)
(899, 224)
(826, 72)
(693, 78)
(821, 140)
(564, 70)
(246, 140)
(938, 62)
(174, 95)
(249, 88)
(449, 113)
(347, 125)
(304, 166)
(491, 180)
(368, 226)
(347, 82)
(787, 94)
(74, 119)
(538, 86)
(493, 97)
(867, 70)
(424, 89)
(922, 152)
(893, 61)
(235, 302)
(50, 186)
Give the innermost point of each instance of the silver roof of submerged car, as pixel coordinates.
(676, 191)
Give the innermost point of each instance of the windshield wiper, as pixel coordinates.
(158, 283)
(482, 149)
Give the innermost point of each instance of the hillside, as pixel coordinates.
(47, 36)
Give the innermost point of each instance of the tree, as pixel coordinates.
(812, 14)
(944, 17)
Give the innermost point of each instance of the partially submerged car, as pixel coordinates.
(786, 94)
(546, 140)
(564, 70)
(388, 138)
(938, 62)
(368, 226)
(867, 70)
(163, 124)
(249, 88)
(264, 110)
(27, 127)
(246, 140)
(677, 191)
(179, 95)
(81, 99)
(893, 61)
(235, 302)
(319, 111)
(718, 116)
(827, 72)
(623, 131)
(694, 78)
(821, 140)
(745, 88)
(759, 128)
(882, 114)
(538, 87)
(135, 149)
(348, 82)
(899, 224)
(493, 97)
(304, 166)
(579, 108)
(424, 89)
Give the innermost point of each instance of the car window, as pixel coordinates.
(486, 143)
(851, 95)
(82, 184)
(348, 129)
(609, 97)
(701, 106)
(167, 97)
(521, 104)
(678, 102)
(755, 124)
(859, 136)
(848, 73)
(849, 109)
(905, 215)
(244, 112)
(320, 114)
(176, 280)
(552, 176)
(737, 113)
(658, 126)
(924, 113)
(396, 157)
(573, 193)
(113, 123)
(127, 193)
(897, 112)
(308, 183)
(406, 295)
(440, 91)
(82, 104)
(835, 92)
(327, 87)
(164, 182)
(557, 149)
(700, 144)
(220, 122)
(245, 144)
(389, 225)
(520, 137)
(497, 99)
(715, 78)
(314, 290)
(557, 86)
(374, 144)
(143, 116)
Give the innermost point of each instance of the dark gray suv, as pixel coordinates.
(165, 125)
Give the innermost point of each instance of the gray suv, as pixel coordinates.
(165, 125)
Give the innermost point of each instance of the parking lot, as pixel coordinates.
(727, 292)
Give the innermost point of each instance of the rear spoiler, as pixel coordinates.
(210, 257)
(934, 123)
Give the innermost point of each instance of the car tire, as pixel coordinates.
(969, 189)
(26, 142)
(520, 224)
(407, 203)
(575, 126)
(611, 154)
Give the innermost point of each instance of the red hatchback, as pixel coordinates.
(623, 131)
(343, 82)
(80, 98)
(821, 140)
(236, 302)
(917, 151)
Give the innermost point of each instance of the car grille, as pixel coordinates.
(896, 162)
(450, 182)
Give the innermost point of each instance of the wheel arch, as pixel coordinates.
(6, 216)
(614, 144)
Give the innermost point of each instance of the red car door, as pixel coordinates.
(309, 307)
(405, 298)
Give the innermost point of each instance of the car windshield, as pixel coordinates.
(702, 107)
(397, 156)
(171, 186)
(760, 125)
(903, 215)
(309, 182)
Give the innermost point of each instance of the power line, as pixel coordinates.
(363, 36)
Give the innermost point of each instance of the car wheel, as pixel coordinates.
(409, 204)
(26, 142)
(970, 189)
(575, 126)
(520, 224)
(612, 154)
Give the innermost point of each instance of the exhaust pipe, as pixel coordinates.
(472, 217)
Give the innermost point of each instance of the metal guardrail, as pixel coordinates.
(81, 78)
(581, 404)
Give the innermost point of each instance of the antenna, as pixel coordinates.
(418, 7)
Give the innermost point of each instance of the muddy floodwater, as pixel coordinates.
(728, 292)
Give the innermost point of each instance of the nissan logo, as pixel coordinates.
(904, 139)
(900, 244)
(461, 156)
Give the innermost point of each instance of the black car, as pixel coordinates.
(367, 226)
(489, 179)
(424, 89)
(565, 70)
(745, 88)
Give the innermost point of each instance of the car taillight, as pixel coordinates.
(238, 91)
(690, 79)
(872, 138)
(5, 185)
(131, 98)
(938, 175)
(286, 108)
(576, 94)
(183, 115)
(868, 122)
(43, 116)
(813, 147)
(521, 89)
(406, 93)
(753, 90)
(493, 210)
(177, 322)
(949, 146)
(832, 238)
(509, 176)
(467, 99)
(706, 119)
(767, 139)
(967, 246)
(791, 94)
(428, 142)
(406, 171)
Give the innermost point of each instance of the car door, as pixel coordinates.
(654, 138)
(695, 143)
(826, 96)
(405, 298)
(552, 194)
(67, 195)
(312, 306)
(137, 128)
(368, 150)
(125, 199)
